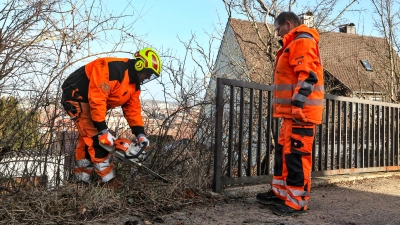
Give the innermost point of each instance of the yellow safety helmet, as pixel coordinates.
(148, 58)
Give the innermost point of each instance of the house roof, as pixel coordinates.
(252, 47)
(340, 52)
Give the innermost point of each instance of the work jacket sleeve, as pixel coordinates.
(99, 89)
(133, 114)
(305, 62)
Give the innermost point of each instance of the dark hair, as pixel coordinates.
(288, 16)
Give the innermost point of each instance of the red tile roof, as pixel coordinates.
(342, 54)
(254, 51)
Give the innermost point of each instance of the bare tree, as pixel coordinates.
(386, 21)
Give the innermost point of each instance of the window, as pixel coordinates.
(379, 99)
(366, 64)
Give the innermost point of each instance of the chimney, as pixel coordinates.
(348, 28)
(307, 19)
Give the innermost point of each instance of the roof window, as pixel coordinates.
(366, 64)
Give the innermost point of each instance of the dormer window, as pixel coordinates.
(366, 65)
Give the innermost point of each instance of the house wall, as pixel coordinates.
(31, 168)
(230, 64)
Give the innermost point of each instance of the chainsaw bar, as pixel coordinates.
(132, 162)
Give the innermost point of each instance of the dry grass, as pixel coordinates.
(62, 206)
(72, 203)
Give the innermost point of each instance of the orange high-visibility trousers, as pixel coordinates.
(89, 154)
(293, 160)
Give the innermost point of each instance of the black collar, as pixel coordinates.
(133, 74)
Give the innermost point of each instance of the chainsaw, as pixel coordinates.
(132, 154)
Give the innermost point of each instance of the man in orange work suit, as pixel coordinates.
(298, 100)
(93, 89)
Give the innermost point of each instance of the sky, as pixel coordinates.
(164, 21)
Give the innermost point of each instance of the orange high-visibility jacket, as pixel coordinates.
(106, 83)
(298, 75)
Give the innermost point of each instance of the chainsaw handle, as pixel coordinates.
(137, 154)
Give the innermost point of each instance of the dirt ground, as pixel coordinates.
(350, 200)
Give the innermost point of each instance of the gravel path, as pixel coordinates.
(347, 200)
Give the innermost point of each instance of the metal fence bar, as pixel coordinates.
(333, 137)
(268, 135)
(320, 135)
(250, 138)
(231, 130)
(357, 140)
(362, 138)
(345, 161)
(218, 135)
(378, 149)
(313, 150)
(327, 133)
(371, 152)
(352, 150)
(386, 137)
(259, 131)
(241, 121)
(339, 136)
(362, 161)
(382, 154)
(366, 164)
(397, 139)
(392, 137)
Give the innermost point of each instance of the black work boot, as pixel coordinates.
(284, 210)
(269, 198)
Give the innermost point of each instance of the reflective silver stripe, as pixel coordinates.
(280, 192)
(307, 86)
(83, 163)
(278, 182)
(288, 101)
(301, 203)
(299, 97)
(319, 88)
(316, 87)
(304, 35)
(103, 165)
(284, 87)
(288, 87)
(299, 193)
(314, 102)
(283, 101)
(108, 177)
(83, 177)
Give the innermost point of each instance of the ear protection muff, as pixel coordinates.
(139, 65)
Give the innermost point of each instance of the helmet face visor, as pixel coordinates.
(150, 78)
